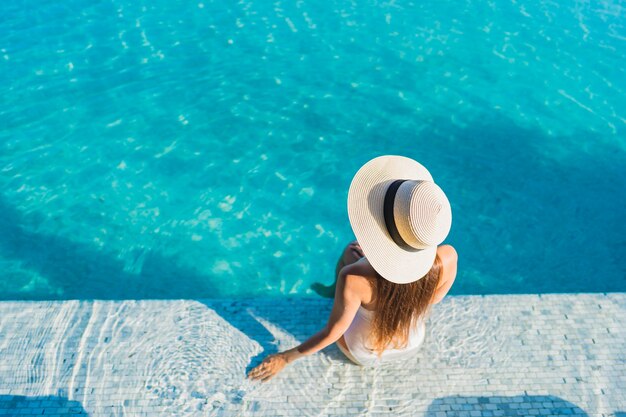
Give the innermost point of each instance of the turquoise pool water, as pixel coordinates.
(204, 149)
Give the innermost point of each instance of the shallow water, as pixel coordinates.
(170, 150)
(189, 358)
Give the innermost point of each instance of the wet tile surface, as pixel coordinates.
(486, 356)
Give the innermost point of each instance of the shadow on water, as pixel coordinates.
(533, 213)
(504, 406)
(40, 405)
(81, 271)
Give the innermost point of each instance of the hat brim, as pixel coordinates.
(365, 211)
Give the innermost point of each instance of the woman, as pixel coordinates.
(388, 278)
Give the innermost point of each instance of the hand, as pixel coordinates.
(271, 365)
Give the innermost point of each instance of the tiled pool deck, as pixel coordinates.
(483, 356)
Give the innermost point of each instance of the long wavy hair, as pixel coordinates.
(398, 306)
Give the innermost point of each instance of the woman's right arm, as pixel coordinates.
(449, 259)
(347, 302)
(345, 306)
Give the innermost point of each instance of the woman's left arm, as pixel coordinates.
(347, 302)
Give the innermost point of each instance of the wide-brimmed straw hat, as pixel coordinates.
(399, 216)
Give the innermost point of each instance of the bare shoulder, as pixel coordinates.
(449, 259)
(447, 254)
(357, 277)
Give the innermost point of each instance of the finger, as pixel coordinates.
(261, 369)
(256, 371)
(261, 376)
(257, 375)
(267, 377)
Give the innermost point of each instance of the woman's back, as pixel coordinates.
(358, 338)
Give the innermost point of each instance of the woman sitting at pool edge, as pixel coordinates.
(387, 280)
